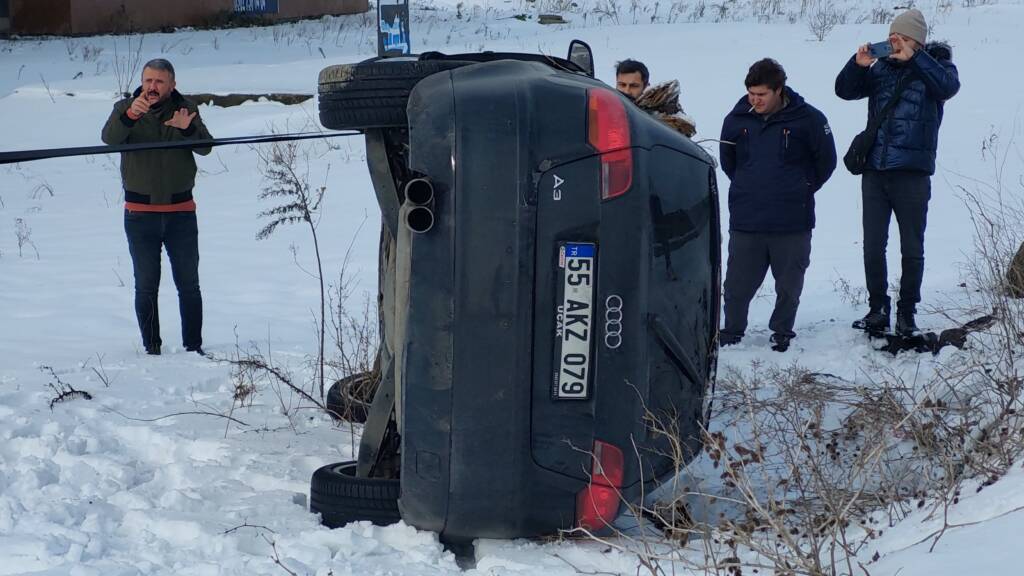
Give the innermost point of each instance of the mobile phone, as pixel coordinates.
(880, 49)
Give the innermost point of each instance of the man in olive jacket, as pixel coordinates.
(159, 209)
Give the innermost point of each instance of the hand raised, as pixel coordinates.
(864, 57)
(139, 108)
(181, 120)
(903, 50)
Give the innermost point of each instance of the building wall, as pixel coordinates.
(40, 16)
(97, 16)
(104, 16)
(5, 22)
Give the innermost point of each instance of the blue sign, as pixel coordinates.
(256, 6)
(393, 28)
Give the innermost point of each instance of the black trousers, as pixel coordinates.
(147, 233)
(750, 257)
(906, 195)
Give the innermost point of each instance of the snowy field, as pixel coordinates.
(142, 479)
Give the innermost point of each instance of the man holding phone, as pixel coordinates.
(918, 79)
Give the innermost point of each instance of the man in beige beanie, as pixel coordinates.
(897, 176)
(910, 24)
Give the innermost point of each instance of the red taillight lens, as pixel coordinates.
(608, 133)
(598, 503)
(608, 128)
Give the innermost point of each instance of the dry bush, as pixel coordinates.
(809, 468)
(354, 359)
(127, 63)
(822, 17)
(805, 458)
(285, 167)
(62, 391)
(24, 235)
(989, 376)
(882, 14)
(355, 335)
(254, 371)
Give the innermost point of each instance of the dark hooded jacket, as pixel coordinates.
(159, 175)
(909, 137)
(776, 164)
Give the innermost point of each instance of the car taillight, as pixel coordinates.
(598, 503)
(608, 133)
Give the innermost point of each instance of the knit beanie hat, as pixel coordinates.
(912, 25)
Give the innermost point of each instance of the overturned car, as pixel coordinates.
(549, 293)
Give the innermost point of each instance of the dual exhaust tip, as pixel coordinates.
(419, 195)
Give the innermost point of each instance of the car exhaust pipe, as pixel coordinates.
(419, 219)
(419, 192)
(419, 199)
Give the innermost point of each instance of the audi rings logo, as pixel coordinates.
(613, 322)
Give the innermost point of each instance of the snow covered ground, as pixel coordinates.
(116, 486)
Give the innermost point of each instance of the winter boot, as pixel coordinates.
(876, 321)
(905, 325)
(726, 339)
(780, 342)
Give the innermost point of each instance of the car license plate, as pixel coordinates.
(573, 324)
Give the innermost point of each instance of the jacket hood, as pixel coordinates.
(939, 50)
(796, 107)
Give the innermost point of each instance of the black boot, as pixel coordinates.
(727, 339)
(875, 321)
(780, 342)
(905, 325)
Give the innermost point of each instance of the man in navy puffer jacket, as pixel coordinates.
(777, 150)
(897, 178)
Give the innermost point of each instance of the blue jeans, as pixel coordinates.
(147, 233)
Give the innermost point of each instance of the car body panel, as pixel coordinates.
(486, 450)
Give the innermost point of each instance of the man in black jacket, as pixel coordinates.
(777, 151)
(897, 178)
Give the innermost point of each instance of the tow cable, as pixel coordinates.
(16, 156)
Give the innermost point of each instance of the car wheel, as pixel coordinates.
(340, 497)
(349, 398)
(373, 93)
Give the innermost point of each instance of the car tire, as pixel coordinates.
(349, 399)
(373, 93)
(340, 497)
